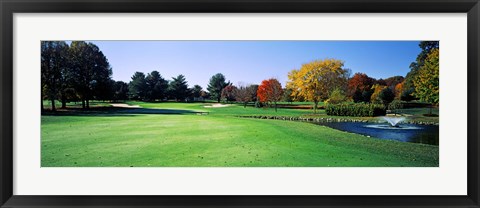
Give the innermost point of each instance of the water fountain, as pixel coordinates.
(393, 121)
(391, 128)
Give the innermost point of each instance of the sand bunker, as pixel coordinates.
(218, 105)
(123, 105)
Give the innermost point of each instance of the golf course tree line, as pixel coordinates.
(327, 81)
(80, 72)
(330, 82)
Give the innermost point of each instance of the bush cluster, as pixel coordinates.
(356, 109)
(395, 105)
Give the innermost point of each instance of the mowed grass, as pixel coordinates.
(238, 110)
(218, 139)
(231, 110)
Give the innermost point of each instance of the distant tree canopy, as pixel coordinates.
(386, 96)
(360, 87)
(79, 71)
(270, 90)
(91, 70)
(391, 82)
(55, 69)
(409, 85)
(156, 86)
(287, 95)
(427, 80)
(149, 88)
(229, 93)
(138, 86)
(215, 86)
(178, 88)
(315, 80)
(336, 96)
(197, 91)
(120, 91)
(246, 94)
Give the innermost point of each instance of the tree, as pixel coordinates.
(358, 86)
(179, 88)
(216, 85)
(104, 90)
(270, 91)
(382, 94)
(386, 96)
(315, 80)
(287, 95)
(156, 86)
(120, 91)
(337, 96)
(252, 89)
(381, 82)
(90, 68)
(409, 85)
(399, 90)
(197, 91)
(54, 69)
(138, 87)
(229, 93)
(102, 83)
(205, 95)
(407, 94)
(427, 82)
(377, 89)
(246, 94)
(403, 93)
(393, 81)
(395, 105)
(67, 79)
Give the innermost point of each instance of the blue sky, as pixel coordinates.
(250, 62)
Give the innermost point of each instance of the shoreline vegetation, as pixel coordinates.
(335, 119)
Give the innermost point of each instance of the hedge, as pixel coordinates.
(356, 109)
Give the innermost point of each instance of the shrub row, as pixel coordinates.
(356, 109)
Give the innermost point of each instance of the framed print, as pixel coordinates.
(235, 103)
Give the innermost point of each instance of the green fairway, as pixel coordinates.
(215, 140)
(231, 110)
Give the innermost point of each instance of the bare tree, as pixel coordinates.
(245, 93)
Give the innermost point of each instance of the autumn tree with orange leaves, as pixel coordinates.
(270, 91)
(360, 87)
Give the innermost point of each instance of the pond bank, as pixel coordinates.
(332, 119)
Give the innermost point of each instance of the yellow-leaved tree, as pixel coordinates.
(427, 81)
(377, 89)
(315, 80)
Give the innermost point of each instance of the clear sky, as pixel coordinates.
(250, 62)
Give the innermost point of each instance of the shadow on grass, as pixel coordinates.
(116, 111)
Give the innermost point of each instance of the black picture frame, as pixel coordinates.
(9, 7)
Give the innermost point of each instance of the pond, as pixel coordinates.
(425, 134)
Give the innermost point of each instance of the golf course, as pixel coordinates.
(240, 104)
(171, 134)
